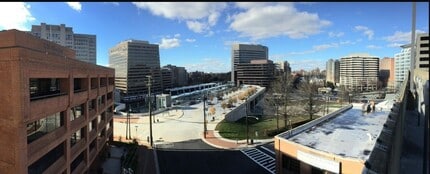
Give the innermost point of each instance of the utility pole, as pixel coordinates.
(412, 67)
(204, 116)
(246, 120)
(150, 110)
(127, 126)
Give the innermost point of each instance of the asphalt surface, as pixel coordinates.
(196, 144)
(206, 161)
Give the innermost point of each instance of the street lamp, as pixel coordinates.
(150, 110)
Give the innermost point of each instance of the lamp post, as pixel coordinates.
(150, 110)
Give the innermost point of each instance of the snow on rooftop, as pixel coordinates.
(350, 134)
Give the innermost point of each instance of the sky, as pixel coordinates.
(199, 35)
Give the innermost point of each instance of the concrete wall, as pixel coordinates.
(239, 112)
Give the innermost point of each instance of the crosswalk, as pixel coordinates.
(261, 158)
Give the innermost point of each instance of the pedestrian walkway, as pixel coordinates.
(112, 165)
(261, 158)
(214, 139)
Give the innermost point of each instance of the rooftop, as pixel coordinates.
(350, 134)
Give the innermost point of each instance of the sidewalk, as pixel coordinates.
(214, 139)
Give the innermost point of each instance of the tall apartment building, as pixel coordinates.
(386, 72)
(422, 52)
(402, 64)
(84, 44)
(56, 110)
(332, 71)
(133, 61)
(359, 72)
(179, 75)
(243, 54)
(257, 72)
(282, 66)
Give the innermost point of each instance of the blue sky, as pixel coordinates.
(198, 36)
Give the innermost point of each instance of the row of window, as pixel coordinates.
(41, 88)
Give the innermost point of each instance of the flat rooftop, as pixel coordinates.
(350, 134)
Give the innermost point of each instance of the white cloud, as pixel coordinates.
(265, 20)
(306, 64)
(213, 65)
(113, 3)
(366, 31)
(322, 47)
(15, 15)
(196, 26)
(167, 43)
(190, 40)
(394, 45)
(199, 16)
(334, 34)
(373, 47)
(398, 36)
(75, 6)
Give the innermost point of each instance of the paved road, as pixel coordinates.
(207, 162)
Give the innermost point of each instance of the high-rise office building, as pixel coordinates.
(242, 55)
(359, 72)
(179, 75)
(386, 72)
(422, 52)
(257, 72)
(332, 71)
(133, 61)
(402, 64)
(84, 44)
(166, 75)
(57, 112)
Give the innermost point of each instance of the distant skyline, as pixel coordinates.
(198, 35)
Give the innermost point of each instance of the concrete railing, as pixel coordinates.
(240, 112)
(313, 123)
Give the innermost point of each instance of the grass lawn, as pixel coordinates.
(237, 130)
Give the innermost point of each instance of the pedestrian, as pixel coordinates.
(373, 107)
(147, 139)
(158, 120)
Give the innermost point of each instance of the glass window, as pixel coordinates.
(76, 136)
(77, 112)
(41, 127)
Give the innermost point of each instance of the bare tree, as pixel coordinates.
(279, 96)
(309, 92)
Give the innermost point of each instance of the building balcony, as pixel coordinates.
(93, 93)
(79, 97)
(80, 168)
(92, 135)
(77, 123)
(48, 105)
(92, 155)
(111, 87)
(76, 149)
(92, 113)
(39, 147)
(102, 90)
(58, 166)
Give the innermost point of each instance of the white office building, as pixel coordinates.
(84, 44)
(359, 72)
(402, 64)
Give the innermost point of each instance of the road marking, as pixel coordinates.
(265, 148)
(261, 158)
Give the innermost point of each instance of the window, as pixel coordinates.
(75, 163)
(103, 81)
(41, 127)
(77, 136)
(45, 87)
(94, 83)
(92, 104)
(79, 85)
(77, 112)
(424, 52)
(47, 160)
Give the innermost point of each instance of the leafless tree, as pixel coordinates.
(279, 96)
(309, 92)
